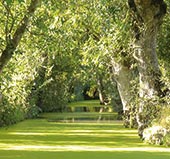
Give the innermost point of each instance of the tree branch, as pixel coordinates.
(14, 41)
(8, 15)
(24, 22)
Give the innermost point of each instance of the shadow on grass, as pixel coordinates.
(81, 155)
(41, 132)
(40, 139)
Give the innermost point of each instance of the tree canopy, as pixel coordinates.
(55, 52)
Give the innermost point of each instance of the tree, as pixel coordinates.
(147, 18)
(109, 44)
(164, 48)
(123, 76)
(16, 75)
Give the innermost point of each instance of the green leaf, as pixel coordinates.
(9, 1)
(20, 1)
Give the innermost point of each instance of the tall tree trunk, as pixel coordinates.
(100, 90)
(123, 76)
(147, 18)
(13, 41)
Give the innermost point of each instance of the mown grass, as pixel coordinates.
(41, 139)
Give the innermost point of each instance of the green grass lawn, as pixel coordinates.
(43, 139)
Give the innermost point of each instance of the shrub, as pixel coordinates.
(54, 95)
(164, 119)
(160, 132)
(16, 87)
(166, 139)
(154, 135)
